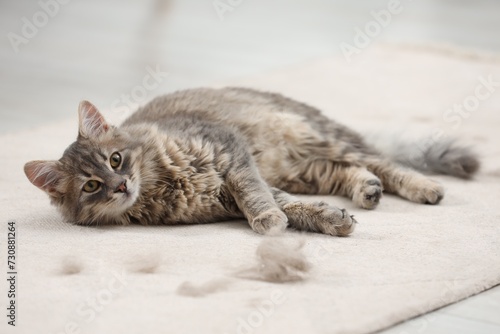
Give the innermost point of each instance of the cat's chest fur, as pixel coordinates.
(181, 178)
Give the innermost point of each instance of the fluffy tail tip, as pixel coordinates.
(449, 158)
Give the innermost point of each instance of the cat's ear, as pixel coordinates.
(46, 175)
(91, 122)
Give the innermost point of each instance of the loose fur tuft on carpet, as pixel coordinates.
(213, 286)
(71, 266)
(145, 264)
(279, 261)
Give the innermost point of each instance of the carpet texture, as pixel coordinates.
(403, 259)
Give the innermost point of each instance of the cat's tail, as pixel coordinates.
(427, 153)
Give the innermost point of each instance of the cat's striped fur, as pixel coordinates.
(203, 155)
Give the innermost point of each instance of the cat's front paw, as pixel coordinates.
(270, 222)
(332, 220)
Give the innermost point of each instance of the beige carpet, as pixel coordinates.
(403, 260)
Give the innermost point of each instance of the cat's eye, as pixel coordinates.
(115, 160)
(91, 186)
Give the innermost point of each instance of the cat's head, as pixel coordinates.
(97, 179)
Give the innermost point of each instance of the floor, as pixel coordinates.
(477, 314)
(57, 54)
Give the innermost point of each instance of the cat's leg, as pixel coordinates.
(406, 183)
(255, 200)
(364, 188)
(316, 216)
(334, 178)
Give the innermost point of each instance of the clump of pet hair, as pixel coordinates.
(71, 265)
(145, 264)
(279, 261)
(191, 290)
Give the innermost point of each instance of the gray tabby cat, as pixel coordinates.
(205, 155)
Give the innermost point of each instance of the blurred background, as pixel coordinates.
(119, 54)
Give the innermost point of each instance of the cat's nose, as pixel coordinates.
(122, 188)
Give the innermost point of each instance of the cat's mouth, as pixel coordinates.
(128, 197)
(125, 199)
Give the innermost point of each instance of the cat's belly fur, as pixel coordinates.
(282, 141)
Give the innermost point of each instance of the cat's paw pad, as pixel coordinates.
(334, 221)
(270, 222)
(427, 192)
(368, 194)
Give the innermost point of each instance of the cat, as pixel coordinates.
(205, 155)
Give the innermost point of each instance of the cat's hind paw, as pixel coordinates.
(424, 190)
(367, 195)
